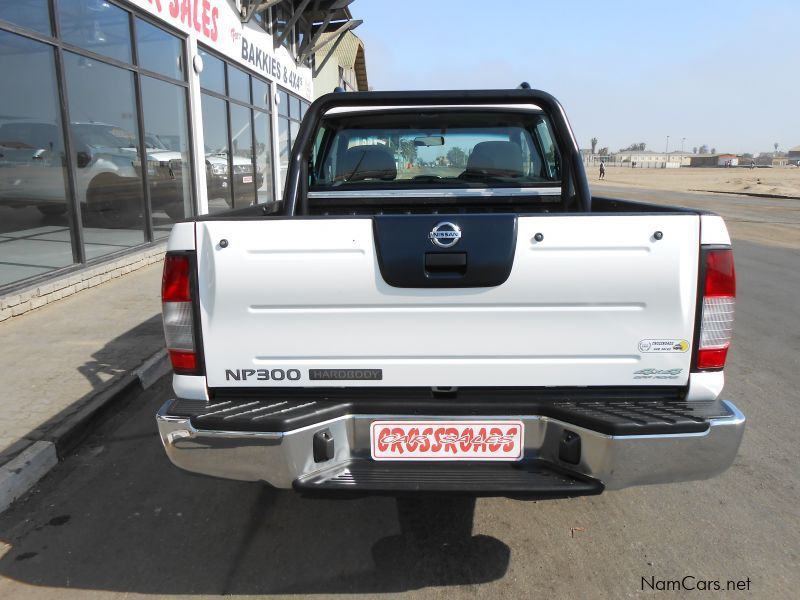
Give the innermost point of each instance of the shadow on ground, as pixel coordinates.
(119, 355)
(116, 516)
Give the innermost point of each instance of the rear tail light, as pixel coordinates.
(178, 313)
(719, 301)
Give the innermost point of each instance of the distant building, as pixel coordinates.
(774, 159)
(684, 158)
(647, 159)
(780, 161)
(794, 155)
(340, 63)
(714, 160)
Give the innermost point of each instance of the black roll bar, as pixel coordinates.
(571, 167)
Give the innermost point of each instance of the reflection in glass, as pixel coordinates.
(263, 132)
(104, 132)
(244, 178)
(283, 103)
(167, 145)
(34, 229)
(212, 77)
(97, 26)
(238, 84)
(215, 135)
(158, 50)
(295, 128)
(33, 14)
(283, 147)
(280, 20)
(294, 110)
(260, 93)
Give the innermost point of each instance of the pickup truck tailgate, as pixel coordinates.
(601, 300)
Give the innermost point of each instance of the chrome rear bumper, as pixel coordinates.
(281, 458)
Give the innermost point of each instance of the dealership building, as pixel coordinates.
(118, 117)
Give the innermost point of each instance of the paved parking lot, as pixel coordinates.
(117, 520)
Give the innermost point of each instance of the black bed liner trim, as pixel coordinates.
(601, 207)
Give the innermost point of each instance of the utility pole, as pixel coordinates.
(667, 145)
(682, 140)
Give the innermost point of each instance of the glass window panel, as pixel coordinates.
(283, 147)
(262, 18)
(243, 178)
(158, 50)
(238, 84)
(97, 26)
(294, 127)
(294, 111)
(35, 235)
(213, 75)
(263, 132)
(260, 93)
(167, 144)
(303, 108)
(33, 14)
(283, 103)
(280, 19)
(299, 36)
(104, 132)
(215, 136)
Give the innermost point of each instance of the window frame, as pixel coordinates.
(228, 99)
(290, 120)
(532, 121)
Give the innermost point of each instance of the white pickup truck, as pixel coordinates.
(439, 305)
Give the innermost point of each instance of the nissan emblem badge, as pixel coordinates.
(445, 234)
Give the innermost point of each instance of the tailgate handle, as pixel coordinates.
(446, 263)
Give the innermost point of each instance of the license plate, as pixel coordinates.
(247, 179)
(447, 440)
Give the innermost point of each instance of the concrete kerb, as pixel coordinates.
(751, 194)
(24, 471)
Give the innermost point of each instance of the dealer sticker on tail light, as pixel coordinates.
(447, 440)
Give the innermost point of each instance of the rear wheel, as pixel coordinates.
(174, 211)
(113, 203)
(52, 210)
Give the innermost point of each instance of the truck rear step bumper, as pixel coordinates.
(285, 459)
(530, 478)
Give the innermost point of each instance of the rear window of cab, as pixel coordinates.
(455, 149)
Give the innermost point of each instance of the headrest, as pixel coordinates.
(366, 162)
(496, 158)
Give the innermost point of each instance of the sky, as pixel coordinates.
(723, 74)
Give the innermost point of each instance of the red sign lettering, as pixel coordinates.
(197, 14)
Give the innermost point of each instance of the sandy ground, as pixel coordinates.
(778, 181)
(770, 221)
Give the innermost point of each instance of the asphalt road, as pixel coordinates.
(117, 520)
